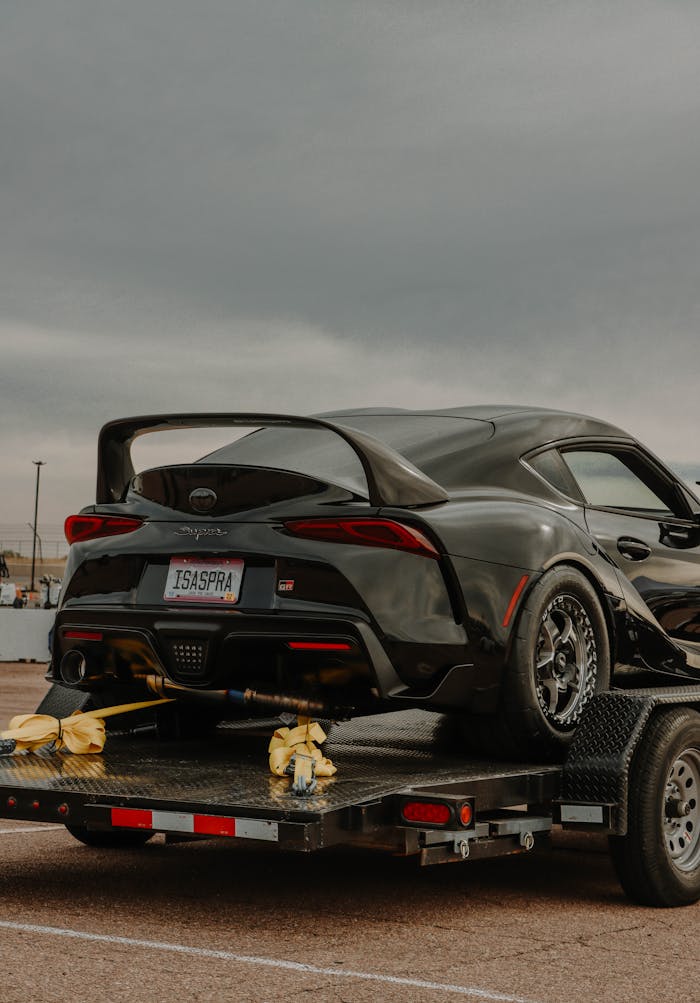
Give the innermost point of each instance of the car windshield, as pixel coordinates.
(437, 444)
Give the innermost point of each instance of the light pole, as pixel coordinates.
(38, 464)
(41, 546)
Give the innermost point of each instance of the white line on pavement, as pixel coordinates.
(247, 959)
(31, 828)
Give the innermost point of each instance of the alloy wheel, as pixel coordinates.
(565, 661)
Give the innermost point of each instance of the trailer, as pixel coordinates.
(405, 786)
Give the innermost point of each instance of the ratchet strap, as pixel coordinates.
(295, 750)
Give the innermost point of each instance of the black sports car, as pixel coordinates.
(497, 562)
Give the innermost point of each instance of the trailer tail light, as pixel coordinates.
(466, 815)
(452, 812)
(427, 812)
(386, 533)
(79, 528)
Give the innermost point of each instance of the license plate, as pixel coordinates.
(204, 579)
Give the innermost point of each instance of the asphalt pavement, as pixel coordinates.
(217, 921)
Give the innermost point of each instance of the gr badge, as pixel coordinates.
(286, 585)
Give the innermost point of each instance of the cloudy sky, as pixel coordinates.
(294, 205)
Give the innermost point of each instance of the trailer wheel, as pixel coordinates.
(109, 839)
(658, 861)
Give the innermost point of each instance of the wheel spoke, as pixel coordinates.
(566, 629)
(551, 632)
(545, 654)
(545, 658)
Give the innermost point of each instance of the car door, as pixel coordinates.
(644, 520)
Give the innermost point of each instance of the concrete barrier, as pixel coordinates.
(24, 634)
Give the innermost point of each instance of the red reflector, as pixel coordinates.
(132, 818)
(514, 599)
(364, 532)
(35, 805)
(432, 812)
(318, 646)
(63, 809)
(83, 635)
(79, 528)
(12, 802)
(210, 825)
(465, 814)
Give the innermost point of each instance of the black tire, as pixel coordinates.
(109, 839)
(658, 861)
(540, 707)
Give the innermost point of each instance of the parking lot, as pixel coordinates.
(212, 920)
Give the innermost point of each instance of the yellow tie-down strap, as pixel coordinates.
(300, 743)
(82, 732)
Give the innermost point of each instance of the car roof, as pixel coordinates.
(551, 423)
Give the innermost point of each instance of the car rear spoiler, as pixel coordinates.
(391, 479)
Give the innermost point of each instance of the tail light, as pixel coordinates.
(79, 528)
(319, 646)
(83, 635)
(364, 532)
(452, 812)
(427, 812)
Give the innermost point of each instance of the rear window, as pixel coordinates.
(438, 445)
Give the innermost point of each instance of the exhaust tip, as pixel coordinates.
(73, 668)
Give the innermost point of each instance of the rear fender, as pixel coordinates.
(495, 542)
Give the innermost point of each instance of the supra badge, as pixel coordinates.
(197, 532)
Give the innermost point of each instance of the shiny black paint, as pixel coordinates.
(390, 479)
(662, 568)
(432, 632)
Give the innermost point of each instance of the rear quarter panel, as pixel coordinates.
(494, 540)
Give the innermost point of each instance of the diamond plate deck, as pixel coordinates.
(375, 757)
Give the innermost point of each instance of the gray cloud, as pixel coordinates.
(293, 205)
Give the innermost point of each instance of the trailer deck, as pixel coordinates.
(378, 760)
(405, 784)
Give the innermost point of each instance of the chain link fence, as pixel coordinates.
(48, 548)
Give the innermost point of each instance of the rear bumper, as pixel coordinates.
(211, 650)
(205, 649)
